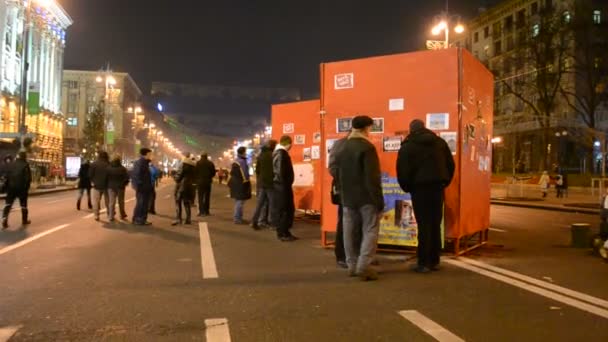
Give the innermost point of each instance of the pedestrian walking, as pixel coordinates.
(98, 173)
(118, 179)
(141, 180)
(264, 187)
(19, 179)
(205, 171)
(283, 206)
(221, 175)
(360, 191)
(154, 174)
(544, 183)
(84, 185)
(185, 190)
(425, 167)
(334, 169)
(240, 184)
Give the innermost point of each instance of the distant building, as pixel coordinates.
(82, 92)
(221, 110)
(47, 45)
(496, 38)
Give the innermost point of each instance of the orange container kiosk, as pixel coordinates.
(302, 122)
(449, 90)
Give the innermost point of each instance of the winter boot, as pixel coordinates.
(24, 219)
(5, 213)
(188, 208)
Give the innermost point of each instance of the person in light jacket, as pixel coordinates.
(544, 183)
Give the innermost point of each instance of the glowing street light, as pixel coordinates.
(444, 21)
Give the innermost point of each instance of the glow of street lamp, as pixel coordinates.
(436, 31)
(496, 140)
(111, 80)
(459, 28)
(99, 79)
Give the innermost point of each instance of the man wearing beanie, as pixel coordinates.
(361, 195)
(425, 167)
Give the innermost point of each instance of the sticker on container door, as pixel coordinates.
(315, 152)
(395, 105)
(343, 125)
(450, 139)
(300, 139)
(392, 144)
(344, 81)
(307, 154)
(378, 126)
(288, 128)
(316, 138)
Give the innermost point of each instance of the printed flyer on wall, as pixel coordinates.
(398, 226)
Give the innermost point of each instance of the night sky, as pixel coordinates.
(244, 42)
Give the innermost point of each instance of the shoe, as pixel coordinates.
(4, 224)
(97, 219)
(78, 206)
(112, 220)
(152, 212)
(124, 218)
(421, 269)
(436, 268)
(147, 224)
(176, 223)
(293, 237)
(352, 273)
(90, 207)
(240, 223)
(368, 275)
(201, 215)
(188, 222)
(255, 226)
(341, 264)
(288, 238)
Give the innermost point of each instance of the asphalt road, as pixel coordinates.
(91, 281)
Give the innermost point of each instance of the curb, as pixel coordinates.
(546, 207)
(40, 193)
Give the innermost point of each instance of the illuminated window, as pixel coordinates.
(567, 17)
(597, 17)
(535, 30)
(73, 122)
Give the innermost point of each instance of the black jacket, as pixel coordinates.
(141, 179)
(98, 173)
(424, 159)
(205, 171)
(263, 168)
(84, 181)
(282, 167)
(118, 177)
(185, 179)
(360, 181)
(19, 176)
(240, 186)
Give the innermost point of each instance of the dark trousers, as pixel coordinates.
(339, 248)
(263, 207)
(11, 196)
(428, 208)
(81, 192)
(283, 211)
(142, 203)
(152, 202)
(204, 198)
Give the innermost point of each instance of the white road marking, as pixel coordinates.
(32, 239)
(546, 284)
(217, 330)
(430, 327)
(57, 201)
(207, 257)
(531, 288)
(130, 200)
(168, 196)
(7, 332)
(498, 230)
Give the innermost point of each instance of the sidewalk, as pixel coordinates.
(47, 190)
(578, 200)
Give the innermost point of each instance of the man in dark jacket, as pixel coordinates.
(142, 183)
(240, 184)
(425, 167)
(334, 168)
(19, 179)
(360, 190)
(184, 190)
(283, 202)
(99, 177)
(84, 184)
(264, 176)
(118, 178)
(205, 171)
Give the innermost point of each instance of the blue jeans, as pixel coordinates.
(360, 222)
(140, 213)
(238, 210)
(263, 207)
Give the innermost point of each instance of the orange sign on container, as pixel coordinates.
(394, 90)
(301, 121)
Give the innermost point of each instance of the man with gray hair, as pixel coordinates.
(361, 196)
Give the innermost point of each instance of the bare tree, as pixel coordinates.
(538, 58)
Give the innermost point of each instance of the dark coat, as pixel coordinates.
(424, 159)
(118, 177)
(205, 171)
(282, 170)
(84, 181)
(239, 183)
(185, 179)
(360, 181)
(263, 169)
(141, 178)
(18, 176)
(98, 173)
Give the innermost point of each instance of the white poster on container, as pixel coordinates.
(344, 81)
(438, 121)
(304, 174)
(396, 105)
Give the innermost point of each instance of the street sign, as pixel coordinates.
(33, 99)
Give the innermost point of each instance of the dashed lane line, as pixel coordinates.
(7, 332)
(32, 239)
(217, 330)
(498, 230)
(430, 327)
(547, 285)
(532, 288)
(207, 258)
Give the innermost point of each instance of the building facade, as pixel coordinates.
(118, 95)
(47, 36)
(502, 38)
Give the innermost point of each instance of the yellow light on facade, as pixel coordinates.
(99, 79)
(459, 28)
(111, 80)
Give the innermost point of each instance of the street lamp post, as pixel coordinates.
(444, 21)
(109, 82)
